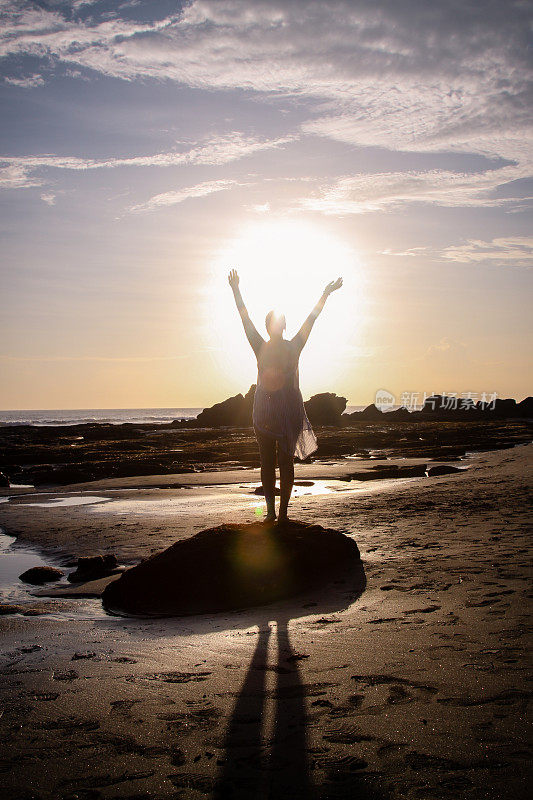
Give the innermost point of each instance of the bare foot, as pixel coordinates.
(269, 518)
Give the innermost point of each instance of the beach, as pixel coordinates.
(411, 685)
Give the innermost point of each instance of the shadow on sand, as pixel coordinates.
(266, 750)
(267, 753)
(255, 766)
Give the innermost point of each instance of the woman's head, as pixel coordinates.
(275, 324)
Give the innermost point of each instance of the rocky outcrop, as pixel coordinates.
(371, 412)
(39, 575)
(525, 408)
(234, 412)
(325, 408)
(438, 407)
(442, 469)
(233, 567)
(93, 567)
(389, 471)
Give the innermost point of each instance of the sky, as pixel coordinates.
(148, 147)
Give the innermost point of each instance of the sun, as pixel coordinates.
(284, 266)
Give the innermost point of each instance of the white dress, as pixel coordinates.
(278, 409)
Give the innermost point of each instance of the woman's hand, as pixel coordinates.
(233, 279)
(332, 287)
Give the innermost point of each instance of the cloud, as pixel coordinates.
(514, 250)
(505, 251)
(364, 192)
(173, 198)
(49, 199)
(222, 150)
(409, 76)
(16, 176)
(447, 345)
(28, 82)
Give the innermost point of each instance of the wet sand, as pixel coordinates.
(415, 688)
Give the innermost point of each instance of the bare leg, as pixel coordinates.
(286, 481)
(267, 452)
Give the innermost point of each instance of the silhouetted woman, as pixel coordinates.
(278, 414)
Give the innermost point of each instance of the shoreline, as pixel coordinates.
(52, 457)
(416, 688)
(44, 518)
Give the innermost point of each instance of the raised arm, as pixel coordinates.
(303, 334)
(255, 339)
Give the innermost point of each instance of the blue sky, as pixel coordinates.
(146, 145)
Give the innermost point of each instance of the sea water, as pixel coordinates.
(114, 416)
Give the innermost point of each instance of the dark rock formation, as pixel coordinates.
(325, 408)
(501, 407)
(4, 481)
(232, 567)
(93, 567)
(442, 469)
(39, 575)
(10, 608)
(439, 407)
(399, 415)
(389, 471)
(525, 408)
(235, 412)
(371, 412)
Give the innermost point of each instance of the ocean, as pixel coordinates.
(113, 416)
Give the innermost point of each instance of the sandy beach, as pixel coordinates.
(413, 687)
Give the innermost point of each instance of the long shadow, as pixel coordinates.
(252, 767)
(243, 743)
(289, 767)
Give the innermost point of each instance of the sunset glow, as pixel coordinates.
(147, 148)
(284, 266)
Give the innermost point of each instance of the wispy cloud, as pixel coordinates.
(517, 250)
(27, 82)
(407, 76)
(506, 251)
(48, 198)
(18, 171)
(366, 192)
(175, 197)
(15, 176)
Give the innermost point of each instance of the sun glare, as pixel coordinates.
(284, 266)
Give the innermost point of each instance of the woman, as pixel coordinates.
(278, 414)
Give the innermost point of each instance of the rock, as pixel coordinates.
(371, 412)
(499, 408)
(39, 575)
(93, 567)
(325, 408)
(384, 471)
(60, 476)
(525, 408)
(442, 469)
(398, 415)
(234, 412)
(10, 608)
(4, 481)
(260, 490)
(232, 567)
